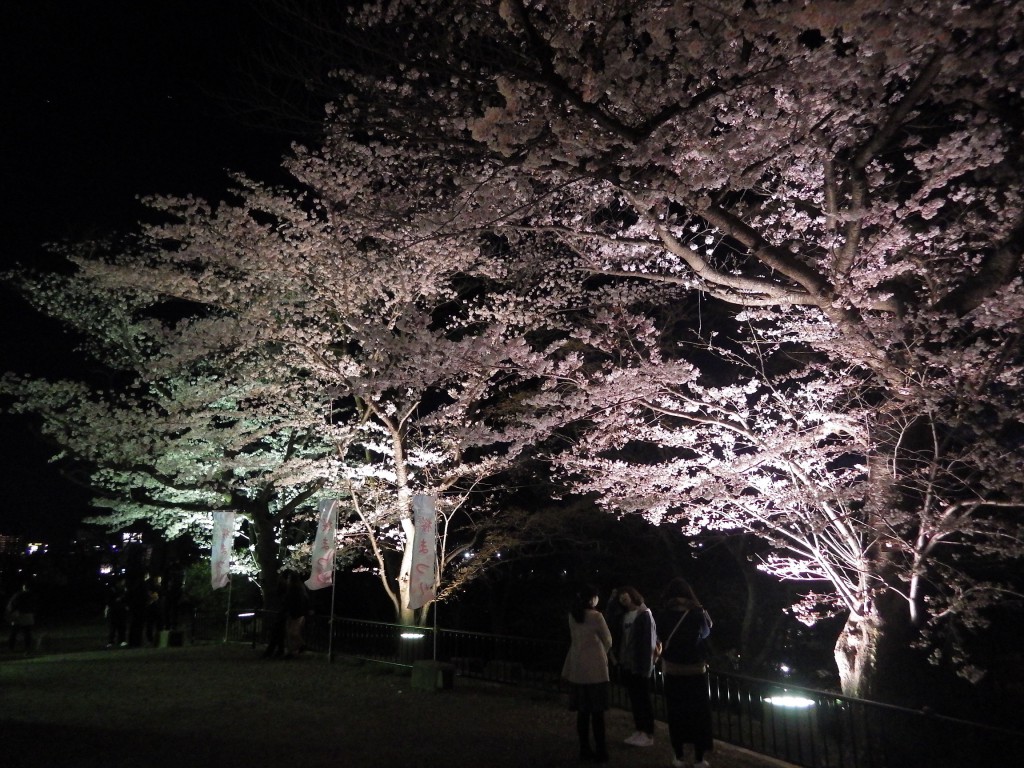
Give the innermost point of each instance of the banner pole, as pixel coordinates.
(227, 611)
(334, 587)
(438, 561)
(435, 627)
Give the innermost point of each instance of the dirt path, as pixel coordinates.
(224, 706)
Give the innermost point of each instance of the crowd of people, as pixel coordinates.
(629, 640)
(288, 621)
(139, 608)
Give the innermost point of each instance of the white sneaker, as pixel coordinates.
(631, 738)
(702, 764)
(678, 763)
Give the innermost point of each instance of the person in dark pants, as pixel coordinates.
(21, 613)
(586, 670)
(154, 611)
(297, 605)
(278, 619)
(116, 611)
(682, 630)
(138, 597)
(635, 655)
(175, 589)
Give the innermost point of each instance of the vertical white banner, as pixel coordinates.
(322, 571)
(220, 557)
(423, 576)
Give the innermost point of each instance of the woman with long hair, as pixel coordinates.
(586, 669)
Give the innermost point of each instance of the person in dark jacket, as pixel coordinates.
(637, 640)
(153, 613)
(682, 630)
(175, 590)
(21, 614)
(278, 619)
(116, 611)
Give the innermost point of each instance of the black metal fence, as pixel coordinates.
(803, 726)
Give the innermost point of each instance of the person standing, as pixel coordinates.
(613, 611)
(635, 655)
(116, 612)
(21, 613)
(586, 670)
(277, 619)
(154, 610)
(138, 598)
(682, 630)
(175, 584)
(297, 605)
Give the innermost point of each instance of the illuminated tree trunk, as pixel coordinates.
(866, 649)
(856, 653)
(265, 545)
(874, 656)
(414, 617)
(406, 615)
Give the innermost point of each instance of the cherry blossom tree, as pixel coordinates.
(174, 432)
(521, 204)
(846, 175)
(414, 354)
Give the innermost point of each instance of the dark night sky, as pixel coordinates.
(102, 101)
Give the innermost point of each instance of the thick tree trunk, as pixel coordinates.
(857, 654)
(873, 640)
(874, 654)
(395, 571)
(266, 549)
(406, 616)
(409, 616)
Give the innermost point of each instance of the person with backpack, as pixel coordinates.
(637, 643)
(682, 630)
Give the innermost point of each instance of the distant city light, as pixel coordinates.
(791, 702)
(33, 548)
(413, 635)
(248, 615)
(106, 569)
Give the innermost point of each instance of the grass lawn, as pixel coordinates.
(224, 705)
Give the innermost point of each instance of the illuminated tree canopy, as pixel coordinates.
(755, 265)
(177, 429)
(272, 317)
(847, 175)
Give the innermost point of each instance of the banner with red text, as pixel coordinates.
(423, 576)
(220, 558)
(322, 570)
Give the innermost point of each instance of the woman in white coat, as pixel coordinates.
(586, 669)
